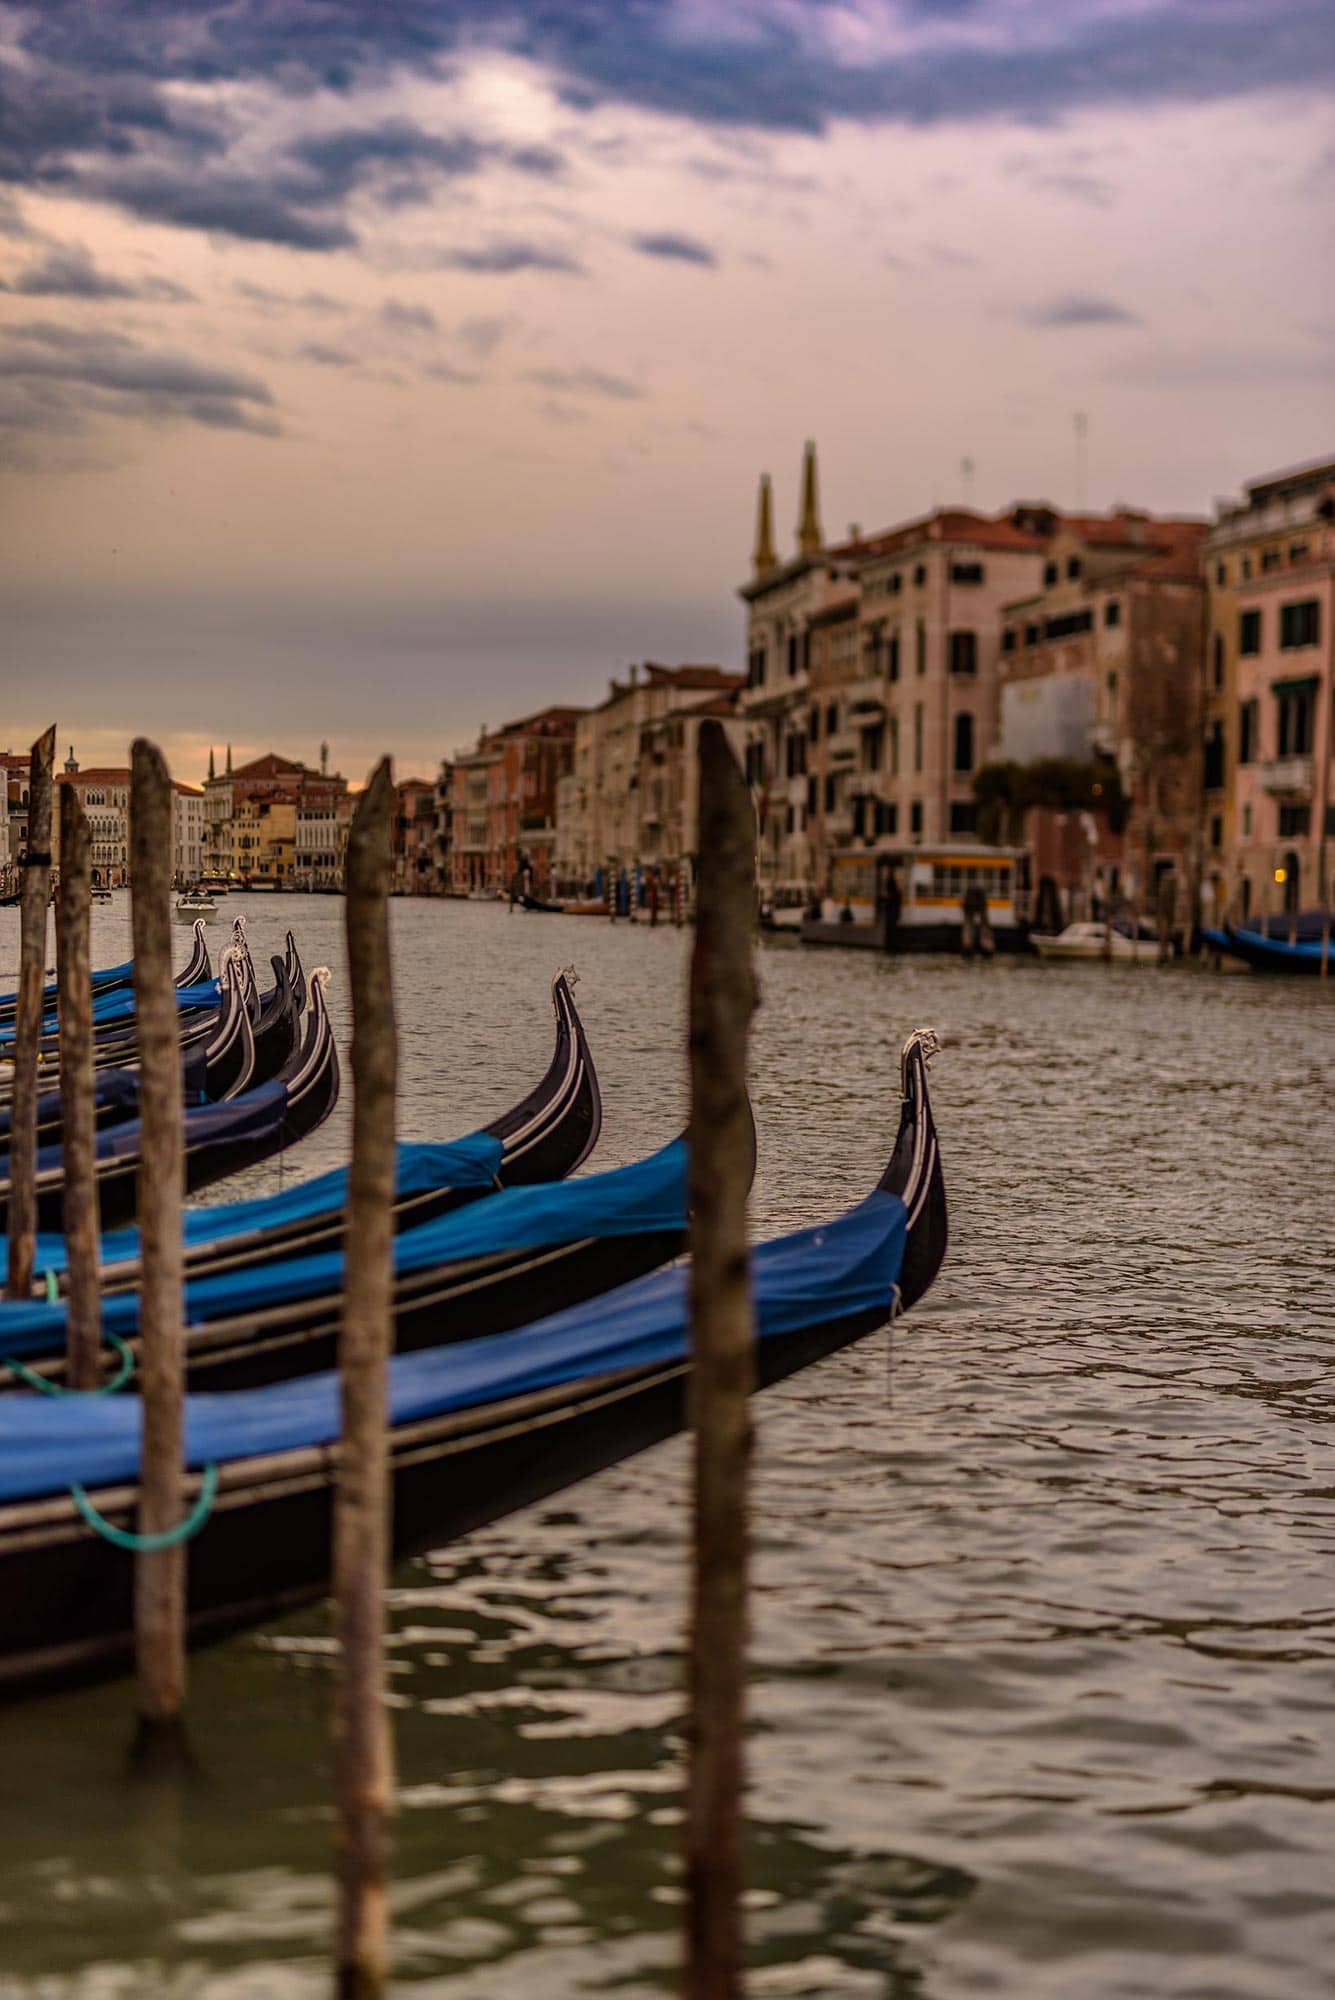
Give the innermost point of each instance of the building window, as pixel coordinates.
(755, 763)
(1221, 573)
(794, 653)
(1112, 611)
(1249, 633)
(887, 818)
(892, 657)
(964, 652)
(1217, 660)
(1270, 560)
(1050, 573)
(1073, 567)
(1111, 685)
(1214, 757)
(964, 817)
(1069, 624)
(1031, 635)
(1246, 569)
(920, 647)
(1295, 822)
(963, 743)
(1216, 831)
(1008, 640)
(1295, 719)
(920, 575)
(873, 747)
(813, 795)
(915, 818)
(830, 783)
(1299, 624)
(894, 746)
(831, 718)
(917, 736)
(1297, 552)
(755, 667)
(966, 572)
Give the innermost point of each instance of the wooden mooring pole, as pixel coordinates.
(363, 1749)
(35, 889)
(160, 1573)
(78, 1126)
(722, 999)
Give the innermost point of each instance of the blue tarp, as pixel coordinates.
(111, 975)
(118, 1007)
(1276, 950)
(844, 1268)
(473, 1162)
(253, 1115)
(650, 1195)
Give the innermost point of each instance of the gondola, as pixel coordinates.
(546, 1136)
(220, 1139)
(541, 907)
(521, 1254)
(479, 1428)
(222, 1068)
(1267, 946)
(276, 1016)
(112, 978)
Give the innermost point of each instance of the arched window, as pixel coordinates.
(964, 742)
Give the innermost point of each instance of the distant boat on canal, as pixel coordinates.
(957, 897)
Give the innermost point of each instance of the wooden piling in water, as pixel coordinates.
(78, 1123)
(363, 1749)
(160, 1573)
(722, 999)
(35, 889)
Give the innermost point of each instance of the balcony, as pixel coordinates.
(1287, 777)
(842, 747)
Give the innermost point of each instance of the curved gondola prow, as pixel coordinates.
(197, 970)
(914, 1172)
(556, 1127)
(229, 1053)
(295, 974)
(243, 1055)
(312, 1079)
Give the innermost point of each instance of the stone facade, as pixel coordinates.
(1270, 732)
(415, 838)
(1122, 608)
(503, 803)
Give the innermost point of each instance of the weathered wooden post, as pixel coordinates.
(35, 888)
(159, 1592)
(78, 1122)
(722, 999)
(362, 1745)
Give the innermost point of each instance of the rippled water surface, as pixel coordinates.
(1045, 1604)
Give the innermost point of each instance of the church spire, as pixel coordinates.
(229, 760)
(809, 536)
(764, 558)
(212, 772)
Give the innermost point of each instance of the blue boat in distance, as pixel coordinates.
(1280, 943)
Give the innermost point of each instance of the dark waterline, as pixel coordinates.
(1044, 1617)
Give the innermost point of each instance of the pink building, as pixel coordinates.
(1284, 784)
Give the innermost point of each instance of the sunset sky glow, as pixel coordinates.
(370, 373)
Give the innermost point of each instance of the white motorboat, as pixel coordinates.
(194, 903)
(1099, 941)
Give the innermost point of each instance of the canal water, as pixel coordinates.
(1044, 1619)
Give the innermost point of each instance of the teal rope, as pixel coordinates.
(166, 1538)
(52, 1289)
(43, 1383)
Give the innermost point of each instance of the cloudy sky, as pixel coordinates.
(373, 372)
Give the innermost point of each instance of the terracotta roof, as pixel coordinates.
(100, 774)
(945, 524)
(187, 791)
(717, 704)
(271, 765)
(691, 676)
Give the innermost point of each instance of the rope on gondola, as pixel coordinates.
(166, 1538)
(43, 1384)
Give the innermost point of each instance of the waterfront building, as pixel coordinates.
(1270, 733)
(872, 670)
(667, 778)
(187, 832)
(444, 841)
(1116, 631)
(15, 767)
(105, 795)
(604, 817)
(503, 802)
(414, 841)
(302, 847)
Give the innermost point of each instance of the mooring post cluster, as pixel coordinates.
(78, 1118)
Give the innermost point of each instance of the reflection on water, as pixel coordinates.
(1044, 1624)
